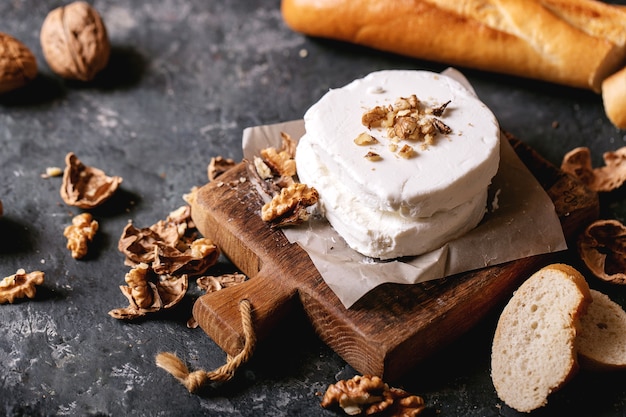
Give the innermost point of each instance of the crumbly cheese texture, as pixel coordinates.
(398, 206)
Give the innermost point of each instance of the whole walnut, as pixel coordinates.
(75, 41)
(18, 65)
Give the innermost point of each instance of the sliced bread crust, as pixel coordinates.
(534, 346)
(602, 337)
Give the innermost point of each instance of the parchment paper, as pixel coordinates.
(520, 222)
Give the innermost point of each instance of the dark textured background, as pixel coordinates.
(185, 78)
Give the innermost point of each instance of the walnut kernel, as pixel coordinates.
(289, 206)
(74, 41)
(373, 156)
(18, 65)
(369, 395)
(406, 152)
(405, 120)
(139, 286)
(365, 139)
(80, 233)
(20, 285)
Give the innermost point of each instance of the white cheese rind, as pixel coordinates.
(386, 234)
(399, 207)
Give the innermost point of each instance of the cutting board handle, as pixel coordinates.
(219, 315)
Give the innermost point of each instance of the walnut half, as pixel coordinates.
(20, 285)
(369, 395)
(80, 233)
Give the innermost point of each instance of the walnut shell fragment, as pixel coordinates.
(609, 177)
(74, 41)
(369, 395)
(602, 247)
(18, 65)
(20, 285)
(170, 246)
(148, 292)
(84, 186)
(80, 233)
(217, 166)
(209, 283)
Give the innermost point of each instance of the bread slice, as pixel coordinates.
(534, 346)
(602, 338)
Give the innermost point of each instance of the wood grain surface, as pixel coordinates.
(390, 329)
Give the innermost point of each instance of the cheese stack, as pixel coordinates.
(388, 191)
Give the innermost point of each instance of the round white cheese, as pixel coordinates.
(442, 185)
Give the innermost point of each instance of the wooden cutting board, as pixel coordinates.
(394, 326)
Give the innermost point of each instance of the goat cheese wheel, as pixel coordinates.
(386, 203)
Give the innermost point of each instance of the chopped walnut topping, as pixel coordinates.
(602, 247)
(84, 186)
(369, 395)
(406, 128)
(20, 285)
(406, 120)
(219, 165)
(289, 206)
(365, 139)
(577, 162)
(442, 127)
(406, 152)
(80, 233)
(438, 111)
(373, 156)
(374, 117)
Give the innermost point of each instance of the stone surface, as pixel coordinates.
(185, 78)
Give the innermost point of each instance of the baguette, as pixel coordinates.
(614, 98)
(518, 37)
(534, 345)
(602, 338)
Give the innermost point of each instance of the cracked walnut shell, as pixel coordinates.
(148, 292)
(609, 177)
(20, 285)
(84, 186)
(602, 247)
(18, 65)
(74, 41)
